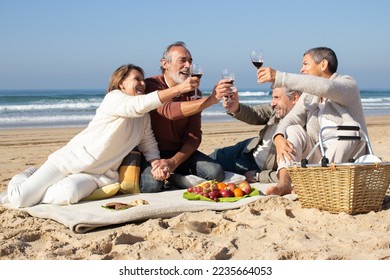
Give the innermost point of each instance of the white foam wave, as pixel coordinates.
(377, 105)
(213, 113)
(54, 106)
(381, 99)
(46, 119)
(257, 102)
(253, 93)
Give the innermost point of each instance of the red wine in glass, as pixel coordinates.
(196, 71)
(257, 64)
(257, 58)
(196, 75)
(229, 75)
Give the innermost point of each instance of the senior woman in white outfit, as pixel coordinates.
(328, 99)
(91, 159)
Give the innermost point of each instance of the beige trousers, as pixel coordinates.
(337, 151)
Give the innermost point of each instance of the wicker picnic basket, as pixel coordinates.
(353, 188)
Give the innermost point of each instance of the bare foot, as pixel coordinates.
(279, 189)
(283, 187)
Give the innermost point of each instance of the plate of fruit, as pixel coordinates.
(220, 191)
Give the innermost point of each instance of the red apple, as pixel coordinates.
(227, 193)
(231, 186)
(245, 187)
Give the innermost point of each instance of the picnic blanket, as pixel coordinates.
(88, 215)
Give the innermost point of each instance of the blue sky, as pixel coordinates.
(77, 44)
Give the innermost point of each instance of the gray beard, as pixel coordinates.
(176, 78)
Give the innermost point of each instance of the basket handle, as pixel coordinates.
(324, 160)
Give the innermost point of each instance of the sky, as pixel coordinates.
(77, 44)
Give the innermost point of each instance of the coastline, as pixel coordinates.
(277, 227)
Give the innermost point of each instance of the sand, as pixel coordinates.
(274, 228)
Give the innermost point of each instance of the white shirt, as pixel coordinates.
(260, 154)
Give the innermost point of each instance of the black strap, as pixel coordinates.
(348, 127)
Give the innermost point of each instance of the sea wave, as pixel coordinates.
(254, 93)
(52, 106)
(378, 99)
(56, 108)
(46, 119)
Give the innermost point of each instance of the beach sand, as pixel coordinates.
(273, 228)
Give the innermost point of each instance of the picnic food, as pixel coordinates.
(123, 206)
(215, 190)
(245, 187)
(238, 192)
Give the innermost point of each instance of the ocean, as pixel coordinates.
(75, 108)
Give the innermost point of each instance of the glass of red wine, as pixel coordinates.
(196, 71)
(229, 75)
(257, 58)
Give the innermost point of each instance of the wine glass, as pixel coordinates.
(257, 58)
(229, 75)
(196, 71)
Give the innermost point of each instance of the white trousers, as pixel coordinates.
(336, 151)
(49, 185)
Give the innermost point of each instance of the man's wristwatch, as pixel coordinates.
(256, 175)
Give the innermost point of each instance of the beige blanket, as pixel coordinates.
(89, 215)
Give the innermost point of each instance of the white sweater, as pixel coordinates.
(121, 123)
(342, 106)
